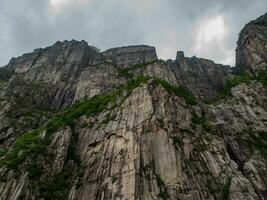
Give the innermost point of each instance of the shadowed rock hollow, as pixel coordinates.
(77, 123)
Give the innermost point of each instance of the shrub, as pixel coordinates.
(262, 77)
(259, 140)
(136, 82)
(177, 90)
(124, 73)
(226, 189)
(196, 120)
(114, 179)
(2, 152)
(88, 107)
(34, 169)
(201, 121)
(237, 80)
(6, 73)
(55, 189)
(29, 143)
(141, 65)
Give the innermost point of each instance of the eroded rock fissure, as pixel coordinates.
(123, 124)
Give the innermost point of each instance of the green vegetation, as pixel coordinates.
(201, 121)
(2, 152)
(34, 170)
(114, 179)
(163, 191)
(259, 140)
(56, 189)
(136, 82)
(6, 73)
(142, 65)
(109, 117)
(262, 77)
(126, 72)
(32, 144)
(206, 126)
(177, 90)
(185, 130)
(196, 120)
(2, 82)
(29, 143)
(226, 189)
(88, 107)
(237, 80)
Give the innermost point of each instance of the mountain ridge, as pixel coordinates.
(77, 123)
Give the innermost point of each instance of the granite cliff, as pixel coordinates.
(77, 123)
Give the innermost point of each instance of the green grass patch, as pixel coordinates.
(237, 80)
(134, 83)
(177, 90)
(89, 107)
(29, 143)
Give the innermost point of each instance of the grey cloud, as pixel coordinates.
(169, 25)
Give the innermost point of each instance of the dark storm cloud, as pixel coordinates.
(206, 28)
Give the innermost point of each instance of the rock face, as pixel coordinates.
(251, 52)
(131, 55)
(202, 77)
(77, 123)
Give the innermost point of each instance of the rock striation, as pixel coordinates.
(202, 77)
(251, 52)
(77, 123)
(131, 55)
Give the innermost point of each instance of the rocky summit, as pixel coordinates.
(80, 124)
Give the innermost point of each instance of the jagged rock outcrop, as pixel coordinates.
(131, 55)
(77, 123)
(251, 52)
(202, 77)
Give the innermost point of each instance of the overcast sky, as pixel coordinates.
(205, 28)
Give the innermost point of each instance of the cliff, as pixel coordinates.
(77, 123)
